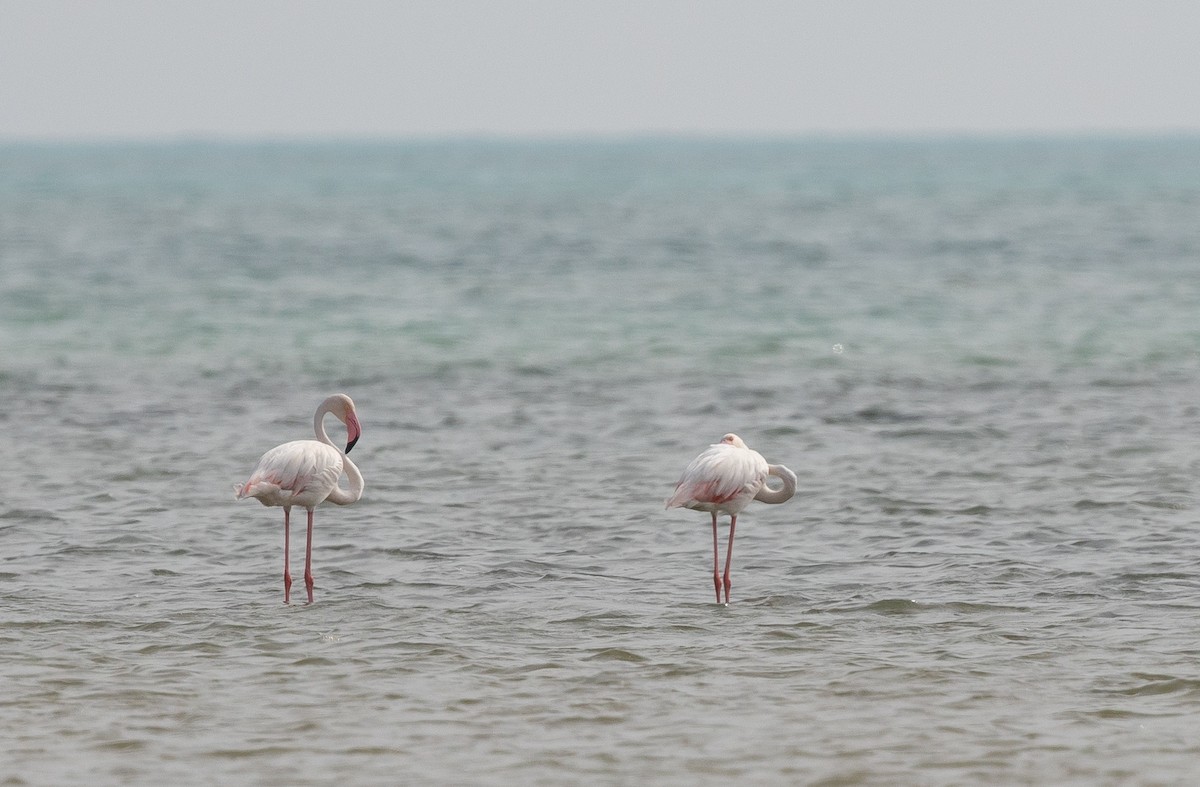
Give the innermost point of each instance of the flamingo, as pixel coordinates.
(306, 473)
(723, 480)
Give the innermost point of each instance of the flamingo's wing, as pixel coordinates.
(301, 467)
(719, 475)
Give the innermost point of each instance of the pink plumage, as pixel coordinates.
(299, 473)
(725, 478)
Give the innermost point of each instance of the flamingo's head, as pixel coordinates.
(734, 440)
(353, 430)
(342, 407)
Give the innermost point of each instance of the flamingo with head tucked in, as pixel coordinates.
(306, 473)
(723, 480)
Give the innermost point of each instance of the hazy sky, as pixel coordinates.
(350, 67)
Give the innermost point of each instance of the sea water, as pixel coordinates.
(980, 356)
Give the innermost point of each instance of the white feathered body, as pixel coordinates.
(300, 473)
(724, 479)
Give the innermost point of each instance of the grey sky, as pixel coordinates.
(267, 67)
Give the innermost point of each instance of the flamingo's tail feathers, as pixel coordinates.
(681, 496)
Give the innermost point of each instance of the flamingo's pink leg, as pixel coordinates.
(716, 560)
(287, 576)
(308, 578)
(729, 556)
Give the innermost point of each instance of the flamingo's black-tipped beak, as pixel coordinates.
(353, 431)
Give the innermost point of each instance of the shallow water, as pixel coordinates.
(980, 357)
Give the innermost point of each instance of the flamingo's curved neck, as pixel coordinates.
(319, 425)
(339, 496)
(783, 493)
(343, 497)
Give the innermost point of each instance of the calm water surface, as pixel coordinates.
(981, 358)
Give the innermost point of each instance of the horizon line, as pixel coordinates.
(949, 134)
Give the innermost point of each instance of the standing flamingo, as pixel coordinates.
(723, 480)
(306, 473)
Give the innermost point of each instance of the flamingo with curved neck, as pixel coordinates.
(724, 479)
(306, 473)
